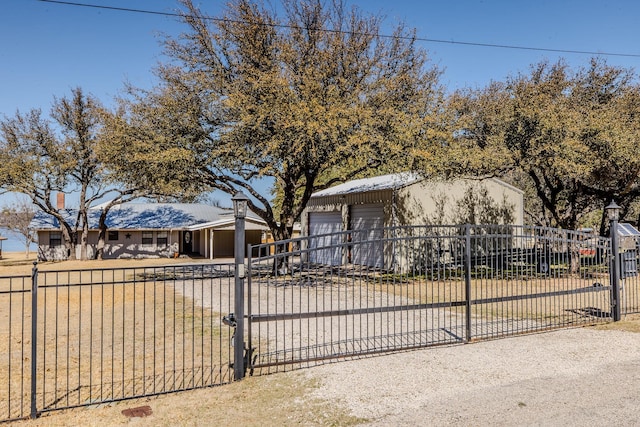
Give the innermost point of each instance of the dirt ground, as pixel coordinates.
(567, 377)
(584, 376)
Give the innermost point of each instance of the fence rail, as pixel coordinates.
(82, 337)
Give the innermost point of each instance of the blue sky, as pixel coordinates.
(47, 49)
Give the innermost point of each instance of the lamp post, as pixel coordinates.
(239, 212)
(613, 213)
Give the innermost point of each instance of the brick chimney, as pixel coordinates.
(60, 200)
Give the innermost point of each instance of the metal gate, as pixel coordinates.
(439, 285)
(84, 337)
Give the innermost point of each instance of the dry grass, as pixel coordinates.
(109, 341)
(629, 323)
(506, 298)
(280, 399)
(276, 400)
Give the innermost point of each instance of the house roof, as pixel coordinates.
(146, 216)
(384, 182)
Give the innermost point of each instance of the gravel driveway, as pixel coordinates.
(567, 377)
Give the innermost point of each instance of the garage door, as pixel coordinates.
(367, 222)
(325, 246)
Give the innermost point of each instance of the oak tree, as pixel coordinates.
(308, 98)
(570, 137)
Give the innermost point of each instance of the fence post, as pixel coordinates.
(34, 337)
(613, 211)
(240, 211)
(247, 360)
(467, 280)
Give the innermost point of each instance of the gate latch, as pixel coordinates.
(230, 320)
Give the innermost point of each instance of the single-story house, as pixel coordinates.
(368, 205)
(152, 230)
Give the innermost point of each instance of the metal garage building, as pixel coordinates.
(366, 206)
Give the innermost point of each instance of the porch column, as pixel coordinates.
(210, 244)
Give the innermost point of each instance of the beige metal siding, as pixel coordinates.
(341, 204)
(418, 203)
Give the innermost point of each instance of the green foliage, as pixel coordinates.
(39, 157)
(568, 137)
(309, 98)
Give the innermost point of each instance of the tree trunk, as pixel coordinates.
(102, 228)
(574, 256)
(100, 246)
(71, 251)
(281, 258)
(27, 247)
(84, 237)
(102, 233)
(69, 243)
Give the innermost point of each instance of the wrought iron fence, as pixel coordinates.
(83, 337)
(341, 294)
(630, 291)
(15, 337)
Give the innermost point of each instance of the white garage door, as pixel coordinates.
(325, 249)
(367, 222)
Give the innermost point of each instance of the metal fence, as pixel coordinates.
(83, 337)
(341, 295)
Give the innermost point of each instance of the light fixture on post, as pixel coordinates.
(613, 213)
(240, 202)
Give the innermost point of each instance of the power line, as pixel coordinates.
(422, 39)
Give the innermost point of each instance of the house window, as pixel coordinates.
(162, 238)
(55, 238)
(147, 237)
(113, 235)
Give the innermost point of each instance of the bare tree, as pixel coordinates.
(40, 157)
(16, 219)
